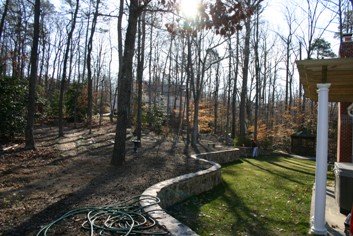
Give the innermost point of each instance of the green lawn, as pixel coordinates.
(265, 196)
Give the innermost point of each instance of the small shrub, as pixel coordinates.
(76, 96)
(12, 107)
(154, 118)
(246, 142)
(53, 109)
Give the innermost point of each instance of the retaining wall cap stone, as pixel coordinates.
(174, 226)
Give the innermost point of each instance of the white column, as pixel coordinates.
(319, 221)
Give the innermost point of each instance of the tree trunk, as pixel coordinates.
(169, 76)
(243, 96)
(110, 82)
(120, 50)
(257, 75)
(235, 87)
(215, 114)
(101, 103)
(63, 78)
(229, 83)
(89, 69)
(150, 67)
(2, 22)
(125, 83)
(86, 42)
(140, 67)
(288, 42)
(190, 75)
(30, 144)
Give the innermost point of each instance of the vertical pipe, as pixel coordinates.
(319, 221)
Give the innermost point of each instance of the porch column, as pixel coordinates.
(319, 221)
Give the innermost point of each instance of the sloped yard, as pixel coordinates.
(265, 196)
(37, 187)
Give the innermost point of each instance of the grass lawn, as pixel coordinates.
(264, 196)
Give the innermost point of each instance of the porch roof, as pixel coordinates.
(338, 72)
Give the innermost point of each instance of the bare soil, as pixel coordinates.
(36, 187)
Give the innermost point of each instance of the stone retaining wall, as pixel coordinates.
(175, 190)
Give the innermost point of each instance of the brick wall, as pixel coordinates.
(346, 50)
(344, 142)
(344, 136)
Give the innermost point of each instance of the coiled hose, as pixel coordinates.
(124, 218)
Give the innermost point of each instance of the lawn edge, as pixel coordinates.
(175, 190)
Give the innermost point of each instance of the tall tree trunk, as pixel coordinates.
(86, 42)
(169, 76)
(229, 83)
(140, 67)
(101, 102)
(30, 144)
(118, 157)
(63, 78)
(273, 94)
(181, 110)
(120, 50)
(190, 75)
(47, 68)
(2, 22)
(110, 82)
(89, 69)
(287, 72)
(243, 96)
(150, 66)
(215, 114)
(40, 81)
(234, 98)
(257, 72)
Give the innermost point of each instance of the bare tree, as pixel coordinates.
(243, 95)
(314, 12)
(234, 96)
(63, 78)
(120, 52)
(125, 82)
(2, 21)
(140, 68)
(89, 69)
(30, 144)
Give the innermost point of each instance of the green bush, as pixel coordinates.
(53, 109)
(246, 142)
(153, 118)
(12, 107)
(76, 96)
(267, 143)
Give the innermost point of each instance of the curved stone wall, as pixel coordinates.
(175, 190)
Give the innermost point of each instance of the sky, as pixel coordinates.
(273, 14)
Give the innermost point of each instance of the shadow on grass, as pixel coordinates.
(225, 211)
(242, 219)
(274, 172)
(292, 169)
(292, 161)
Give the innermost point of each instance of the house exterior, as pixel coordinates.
(329, 80)
(344, 136)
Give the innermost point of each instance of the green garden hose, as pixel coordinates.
(124, 218)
